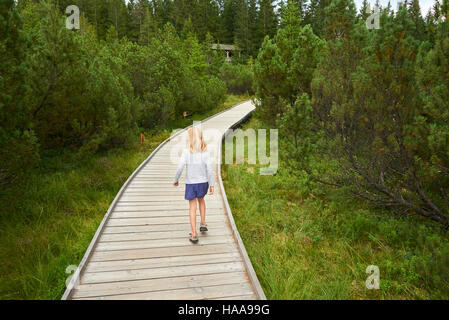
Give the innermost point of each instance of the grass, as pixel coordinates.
(311, 241)
(48, 220)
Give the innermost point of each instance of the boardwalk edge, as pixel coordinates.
(251, 273)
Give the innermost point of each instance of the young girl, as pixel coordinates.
(199, 177)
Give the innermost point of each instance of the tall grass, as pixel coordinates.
(48, 220)
(311, 241)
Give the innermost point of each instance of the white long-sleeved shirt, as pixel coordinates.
(198, 168)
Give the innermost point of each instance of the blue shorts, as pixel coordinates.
(196, 190)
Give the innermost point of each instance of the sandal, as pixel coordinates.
(203, 227)
(193, 239)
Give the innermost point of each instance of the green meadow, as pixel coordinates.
(307, 240)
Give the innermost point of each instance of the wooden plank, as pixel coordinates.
(178, 193)
(165, 179)
(216, 231)
(166, 213)
(119, 222)
(155, 191)
(181, 203)
(153, 198)
(175, 201)
(160, 170)
(155, 168)
(160, 166)
(197, 293)
(162, 252)
(164, 176)
(148, 285)
(158, 180)
(159, 191)
(156, 206)
(154, 273)
(168, 173)
(160, 243)
(103, 266)
(167, 186)
(154, 165)
(150, 188)
(156, 227)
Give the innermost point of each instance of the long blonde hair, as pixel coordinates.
(195, 141)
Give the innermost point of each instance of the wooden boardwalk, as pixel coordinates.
(141, 248)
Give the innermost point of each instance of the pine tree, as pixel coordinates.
(187, 29)
(285, 64)
(301, 8)
(365, 10)
(291, 16)
(163, 11)
(431, 22)
(18, 144)
(315, 16)
(229, 20)
(146, 28)
(419, 26)
(181, 12)
(267, 20)
(445, 9)
(256, 42)
(133, 23)
(242, 29)
(340, 19)
(436, 10)
(430, 129)
(215, 58)
(207, 19)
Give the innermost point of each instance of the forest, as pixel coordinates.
(361, 112)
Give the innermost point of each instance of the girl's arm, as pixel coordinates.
(181, 165)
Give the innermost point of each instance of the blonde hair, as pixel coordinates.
(195, 141)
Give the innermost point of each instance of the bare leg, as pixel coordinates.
(202, 205)
(192, 211)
